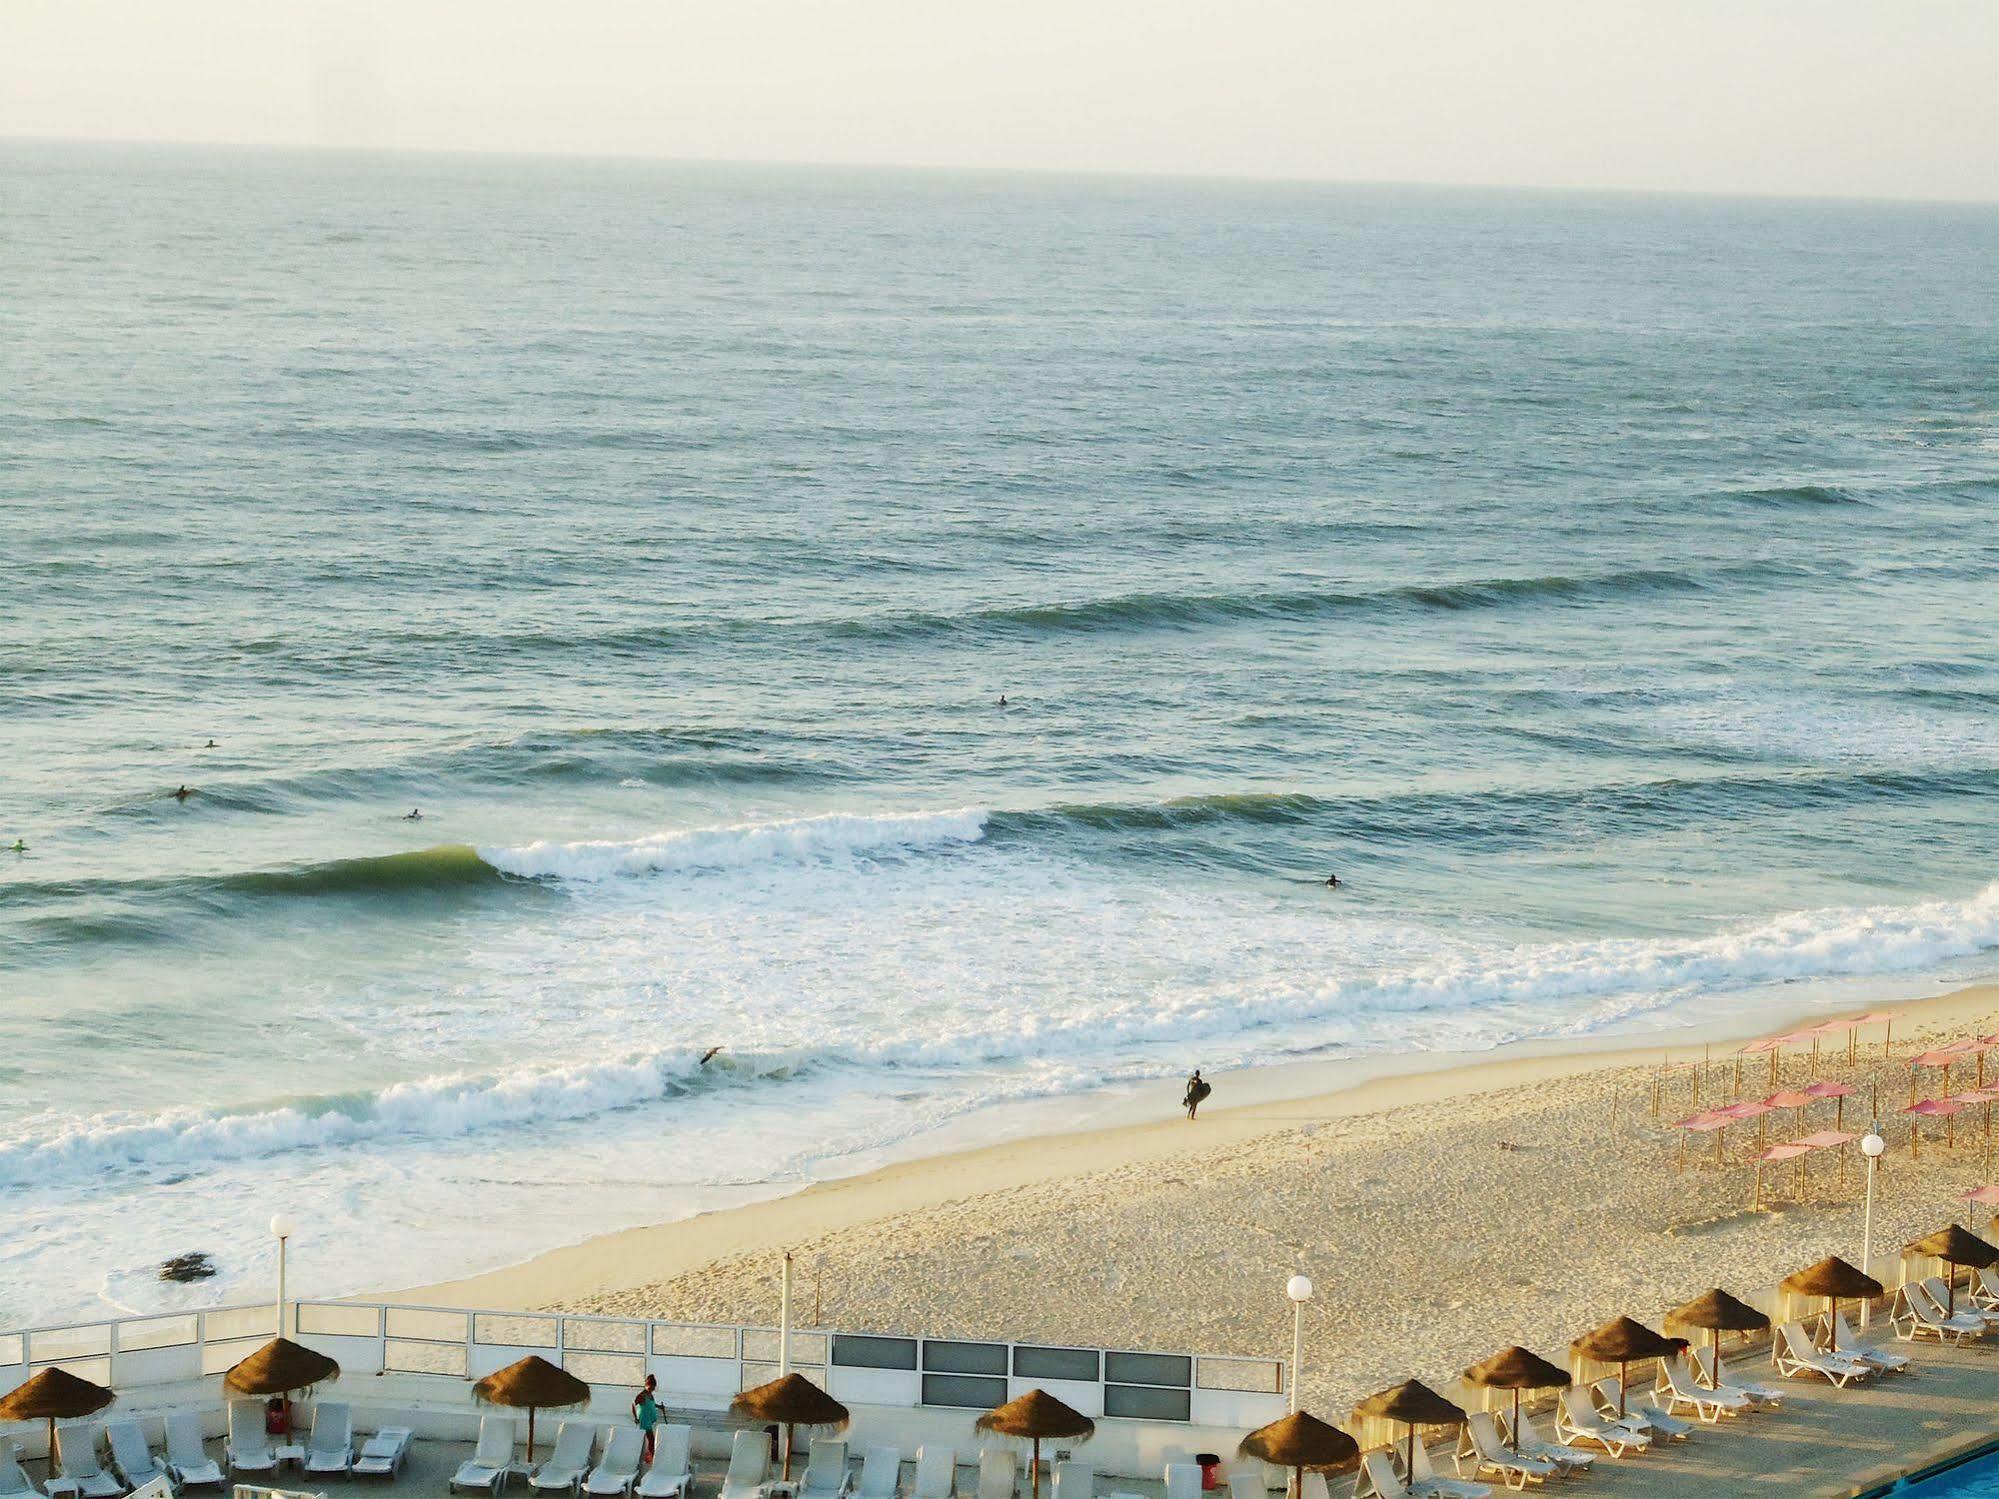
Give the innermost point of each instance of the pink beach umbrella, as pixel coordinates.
(1775, 1153)
(1837, 1091)
(1931, 1108)
(1826, 1139)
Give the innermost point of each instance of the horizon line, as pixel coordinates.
(982, 168)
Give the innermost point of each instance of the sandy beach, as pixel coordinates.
(1525, 1196)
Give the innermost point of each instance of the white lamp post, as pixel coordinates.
(1299, 1289)
(1871, 1146)
(283, 1228)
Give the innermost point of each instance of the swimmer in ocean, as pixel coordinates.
(413, 815)
(183, 793)
(20, 847)
(1332, 882)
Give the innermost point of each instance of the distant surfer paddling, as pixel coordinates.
(1197, 1093)
(1332, 882)
(413, 815)
(182, 793)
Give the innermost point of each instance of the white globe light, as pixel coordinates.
(1299, 1288)
(1872, 1145)
(282, 1226)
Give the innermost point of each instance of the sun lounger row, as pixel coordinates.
(133, 1464)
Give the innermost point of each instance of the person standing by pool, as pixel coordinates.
(645, 1411)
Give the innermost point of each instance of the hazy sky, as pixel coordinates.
(1870, 97)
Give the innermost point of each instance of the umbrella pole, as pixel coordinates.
(1757, 1201)
(530, 1435)
(1622, 1369)
(1717, 1145)
(1514, 1430)
(1409, 1454)
(1034, 1474)
(52, 1448)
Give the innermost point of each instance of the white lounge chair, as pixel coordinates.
(1425, 1482)
(999, 1474)
(1530, 1442)
(1243, 1484)
(188, 1462)
(76, 1448)
(569, 1460)
(249, 1446)
(1491, 1458)
(131, 1457)
(1705, 1373)
(1078, 1480)
(1576, 1420)
(881, 1473)
(1680, 1392)
(936, 1475)
(826, 1475)
(14, 1483)
(749, 1465)
(671, 1473)
(384, 1453)
(155, 1487)
(1882, 1359)
(1794, 1353)
(1913, 1315)
(1183, 1481)
(1639, 1412)
(487, 1467)
(618, 1469)
(1958, 1306)
(1378, 1477)
(1313, 1486)
(330, 1447)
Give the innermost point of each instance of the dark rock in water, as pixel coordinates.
(183, 1268)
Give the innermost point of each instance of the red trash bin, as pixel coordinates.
(1211, 1470)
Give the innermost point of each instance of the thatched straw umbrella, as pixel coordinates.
(789, 1400)
(1516, 1369)
(54, 1395)
(532, 1384)
(1717, 1312)
(1623, 1342)
(1836, 1281)
(1035, 1417)
(1300, 1441)
(1955, 1246)
(1413, 1404)
(280, 1367)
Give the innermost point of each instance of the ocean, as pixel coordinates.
(1603, 586)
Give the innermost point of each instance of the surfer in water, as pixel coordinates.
(1197, 1092)
(1332, 882)
(20, 846)
(182, 793)
(413, 815)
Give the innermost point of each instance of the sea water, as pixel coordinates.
(1602, 586)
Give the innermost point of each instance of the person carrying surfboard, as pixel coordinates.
(1197, 1091)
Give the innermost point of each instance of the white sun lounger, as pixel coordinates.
(487, 1467)
(188, 1462)
(1533, 1444)
(1244, 1484)
(999, 1474)
(671, 1473)
(936, 1474)
(1576, 1420)
(1707, 1405)
(1183, 1481)
(1704, 1373)
(1881, 1359)
(14, 1483)
(330, 1447)
(618, 1469)
(131, 1457)
(749, 1465)
(1378, 1477)
(76, 1449)
(1794, 1353)
(1492, 1458)
(1913, 1315)
(1075, 1480)
(570, 1458)
(1313, 1486)
(1425, 1482)
(881, 1473)
(826, 1475)
(1958, 1306)
(383, 1454)
(1641, 1412)
(249, 1447)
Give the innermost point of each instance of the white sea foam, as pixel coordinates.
(1263, 998)
(803, 839)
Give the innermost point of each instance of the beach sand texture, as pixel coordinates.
(1441, 1216)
